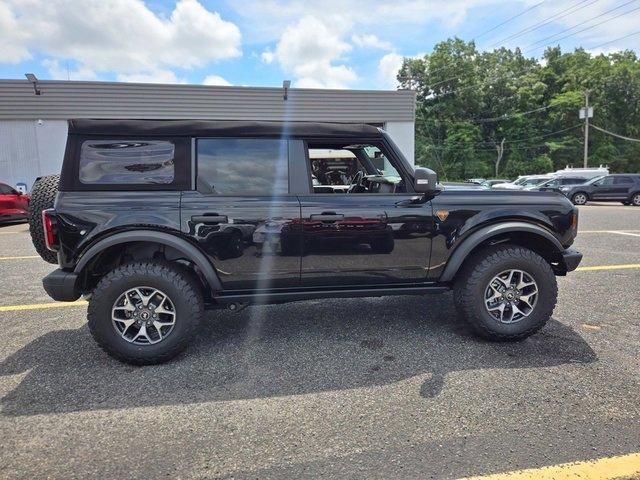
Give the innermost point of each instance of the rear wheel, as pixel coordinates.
(145, 312)
(579, 198)
(43, 194)
(506, 292)
(635, 200)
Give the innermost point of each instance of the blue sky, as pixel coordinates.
(328, 44)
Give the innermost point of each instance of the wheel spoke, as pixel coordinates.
(142, 333)
(496, 294)
(527, 299)
(515, 310)
(126, 323)
(500, 308)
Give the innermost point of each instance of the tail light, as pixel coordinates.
(574, 221)
(50, 239)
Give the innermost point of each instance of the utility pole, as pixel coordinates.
(585, 113)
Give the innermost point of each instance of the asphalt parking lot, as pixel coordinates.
(361, 388)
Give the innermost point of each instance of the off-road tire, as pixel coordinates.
(43, 195)
(577, 197)
(474, 277)
(174, 280)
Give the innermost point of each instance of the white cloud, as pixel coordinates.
(121, 36)
(59, 72)
(265, 19)
(156, 76)
(267, 56)
(370, 41)
(309, 49)
(215, 80)
(388, 67)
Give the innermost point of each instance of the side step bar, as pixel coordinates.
(293, 295)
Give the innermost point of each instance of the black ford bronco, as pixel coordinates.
(154, 221)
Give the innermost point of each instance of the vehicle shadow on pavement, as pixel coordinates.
(267, 351)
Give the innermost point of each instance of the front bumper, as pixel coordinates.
(61, 285)
(571, 258)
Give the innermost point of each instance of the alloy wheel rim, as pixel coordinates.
(636, 200)
(580, 199)
(143, 315)
(511, 296)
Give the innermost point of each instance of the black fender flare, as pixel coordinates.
(460, 254)
(188, 249)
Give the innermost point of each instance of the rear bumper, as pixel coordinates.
(61, 285)
(571, 259)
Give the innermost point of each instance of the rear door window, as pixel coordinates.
(622, 181)
(242, 166)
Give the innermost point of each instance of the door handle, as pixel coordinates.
(327, 216)
(210, 218)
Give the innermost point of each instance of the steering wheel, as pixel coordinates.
(356, 182)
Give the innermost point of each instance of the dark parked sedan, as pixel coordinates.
(623, 188)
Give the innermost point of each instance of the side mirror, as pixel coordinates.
(425, 180)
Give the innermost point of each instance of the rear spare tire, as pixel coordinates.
(43, 195)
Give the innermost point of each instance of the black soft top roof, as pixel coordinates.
(222, 128)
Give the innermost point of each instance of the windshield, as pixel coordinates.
(533, 181)
(594, 180)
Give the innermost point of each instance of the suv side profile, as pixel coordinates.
(156, 221)
(623, 187)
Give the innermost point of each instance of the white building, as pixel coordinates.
(34, 114)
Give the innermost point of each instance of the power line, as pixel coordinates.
(485, 32)
(508, 20)
(514, 115)
(515, 141)
(578, 24)
(536, 26)
(587, 28)
(615, 134)
(615, 40)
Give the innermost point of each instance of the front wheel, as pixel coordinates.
(145, 312)
(506, 292)
(579, 198)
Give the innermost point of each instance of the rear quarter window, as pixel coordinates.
(126, 163)
(109, 162)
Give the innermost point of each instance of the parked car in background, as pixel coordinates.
(14, 205)
(554, 184)
(523, 182)
(495, 181)
(477, 181)
(624, 187)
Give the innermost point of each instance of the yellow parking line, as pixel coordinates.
(623, 466)
(38, 306)
(19, 257)
(608, 267)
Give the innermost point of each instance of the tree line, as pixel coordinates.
(501, 114)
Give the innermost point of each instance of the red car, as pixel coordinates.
(14, 205)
